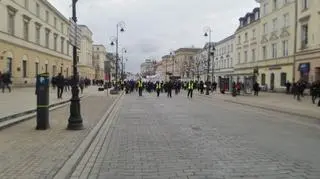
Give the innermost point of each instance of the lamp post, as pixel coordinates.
(207, 33)
(123, 50)
(75, 121)
(120, 27)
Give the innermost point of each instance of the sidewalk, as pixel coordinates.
(275, 101)
(27, 153)
(24, 99)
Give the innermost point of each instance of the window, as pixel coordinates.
(274, 24)
(253, 33)
(55, 22)
(36, 68)
(55, 39)
(47, 37)
(239, 39)
(264, 52)
(68, 46)
(246, 37)
(38, 26)
(253, 51)
(47, 16)
(285, 2)
(62, 27)
(24, 68)
(275, 4)
(46, 68)
(305, 4)
(231, 47)
(285, 48)
(239, 58)
(62, 45)
(265, 9)
(11, 21)
(304, 35)
(283, 79)
(286, 20)
(26, 4)
(263, 79)
(26, 29)
(54, 70)
(61, 69)
(37, 10)
(245, 56)
(265, 28)
(274, 50)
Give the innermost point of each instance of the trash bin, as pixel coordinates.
(42, 92)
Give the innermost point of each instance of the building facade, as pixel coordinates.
(85, 65)
(147, 68)
(277, 39)
(99, 56)
(183, 62)
(33, 40)
(223, 59)
(307, 65)
(246, 43)
(110, 67)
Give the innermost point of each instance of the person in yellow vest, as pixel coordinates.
(190, 88)
(158, 88)
(140, 87)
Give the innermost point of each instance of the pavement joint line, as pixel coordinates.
(266, 108)
(98, 142)
(70, 165)
(31, 114)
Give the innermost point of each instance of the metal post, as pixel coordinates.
(75, 121)
(208, 67)
(117, 58)
(166, 70)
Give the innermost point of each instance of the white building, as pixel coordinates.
(223, 59)
(99, 56)
(147, 67)
(86, 68)
(33, 40)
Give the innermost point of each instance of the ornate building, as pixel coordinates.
(307, 65)
(86, 68)
(98, 57)
(33, 40)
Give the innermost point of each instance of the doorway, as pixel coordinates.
(272, 81)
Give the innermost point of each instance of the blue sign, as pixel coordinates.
(304, 67)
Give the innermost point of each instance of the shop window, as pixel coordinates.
(263, 79)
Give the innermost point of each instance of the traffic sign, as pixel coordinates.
(74, 34)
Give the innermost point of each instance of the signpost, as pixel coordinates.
(74, 34)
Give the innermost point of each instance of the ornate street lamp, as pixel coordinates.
(75, 121)
(120, 27)
(207, 33)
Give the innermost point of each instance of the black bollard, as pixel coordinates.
(42, 91)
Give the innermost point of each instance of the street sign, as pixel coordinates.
(74, 34)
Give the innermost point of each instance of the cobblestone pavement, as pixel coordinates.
(11, 103)
(29, 154)
(275, 101)
(161, 138)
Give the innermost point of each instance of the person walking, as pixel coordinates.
(140, 87)
(190, 89)
(158, 88)
(60, 85)
(169, 89)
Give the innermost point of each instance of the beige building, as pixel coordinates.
(85, 65)
(167, 66)
(307, 65)
(183, 63)
(276, 60)
(33, 40)
(247, 43)
(98, 57)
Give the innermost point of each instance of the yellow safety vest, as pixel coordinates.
(190, 86)
(139, 84)
(158, 86)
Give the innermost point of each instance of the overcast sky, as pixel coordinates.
(153, 27)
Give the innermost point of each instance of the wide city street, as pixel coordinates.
(203, 137)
